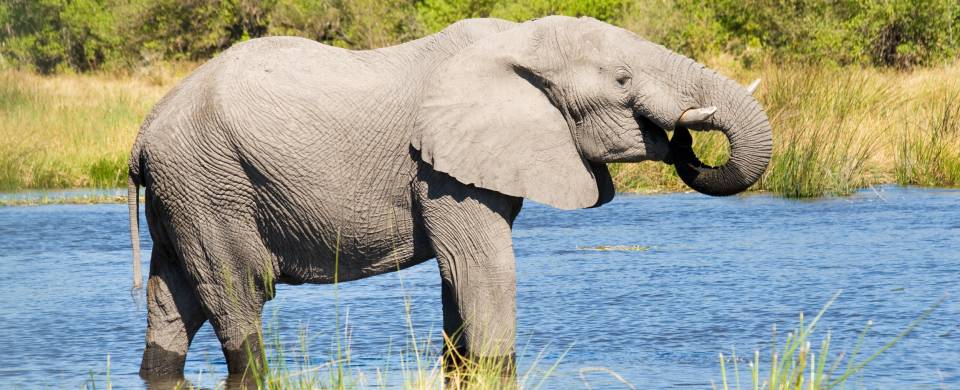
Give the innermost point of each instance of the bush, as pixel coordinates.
(190, 29)
(84, 35)
(894, 33)
(52, 35)
(437, 14)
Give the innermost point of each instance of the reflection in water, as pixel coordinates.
(688, 276)
(169, 383)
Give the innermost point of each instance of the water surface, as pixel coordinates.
(716, 274)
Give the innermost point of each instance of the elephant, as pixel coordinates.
(283, 160)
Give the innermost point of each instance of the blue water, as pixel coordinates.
(719, 273)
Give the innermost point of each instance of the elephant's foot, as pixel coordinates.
(159, 363)
(247, 360)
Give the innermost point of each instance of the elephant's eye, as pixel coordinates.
(623, 77)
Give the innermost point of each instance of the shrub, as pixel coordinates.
(52, 35)
(896, 33)
(83, 35)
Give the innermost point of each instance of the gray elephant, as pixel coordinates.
(283, 160)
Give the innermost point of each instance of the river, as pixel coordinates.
(688, 277)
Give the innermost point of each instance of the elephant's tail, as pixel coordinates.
(133, 204)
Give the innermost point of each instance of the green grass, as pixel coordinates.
(798, 366)
(825, 122)
(420, 362)
(614, 248)
(794, 365)
(43, 200)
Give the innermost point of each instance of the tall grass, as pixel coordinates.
(827, 125)
(794, 365)
(69, 130)
(421, 365)
(835, 129)
(928, 153)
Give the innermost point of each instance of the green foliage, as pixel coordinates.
(897, 33)
(84, 35)
(685, 26)
(437, 14)
(52, 35)
(191, 29)
(370, 24)
(606, 10)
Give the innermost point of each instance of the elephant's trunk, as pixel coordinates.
(745, 124)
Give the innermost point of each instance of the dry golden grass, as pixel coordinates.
(70, 130)
(835, 129)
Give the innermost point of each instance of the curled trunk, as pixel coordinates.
(740, 117)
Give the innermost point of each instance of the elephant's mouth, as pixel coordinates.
(681, 149)
(655, 138)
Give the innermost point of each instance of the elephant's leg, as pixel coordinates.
(233, 306)
(241, 341)
(470, 230)
(232, 294)
(173, 317)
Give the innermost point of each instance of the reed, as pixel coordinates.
(420, 363)
(795, 365)
(827, 124)
(798, 366)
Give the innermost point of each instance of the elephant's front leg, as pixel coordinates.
(470, 230)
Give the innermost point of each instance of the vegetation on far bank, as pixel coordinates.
(835, 129)
(69, 130)
(859, 92)
(84, 35)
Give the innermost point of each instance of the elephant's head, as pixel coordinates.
(536, 110)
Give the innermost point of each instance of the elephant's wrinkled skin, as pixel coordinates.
(270, 157)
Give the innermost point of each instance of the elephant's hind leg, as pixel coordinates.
(233, 287)
(173, 317)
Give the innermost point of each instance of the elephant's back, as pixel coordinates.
(321, 135)
(295, 109)
(306, 144)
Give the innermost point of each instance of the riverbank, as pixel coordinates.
(835, 129)
(66, 196)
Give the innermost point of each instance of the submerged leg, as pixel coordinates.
(173, 317)
(233, 295)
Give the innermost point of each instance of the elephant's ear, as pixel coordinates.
(485, 120)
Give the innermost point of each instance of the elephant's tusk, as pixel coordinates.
(753, 86)
(696, 116)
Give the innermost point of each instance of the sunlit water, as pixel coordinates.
(718, 273)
